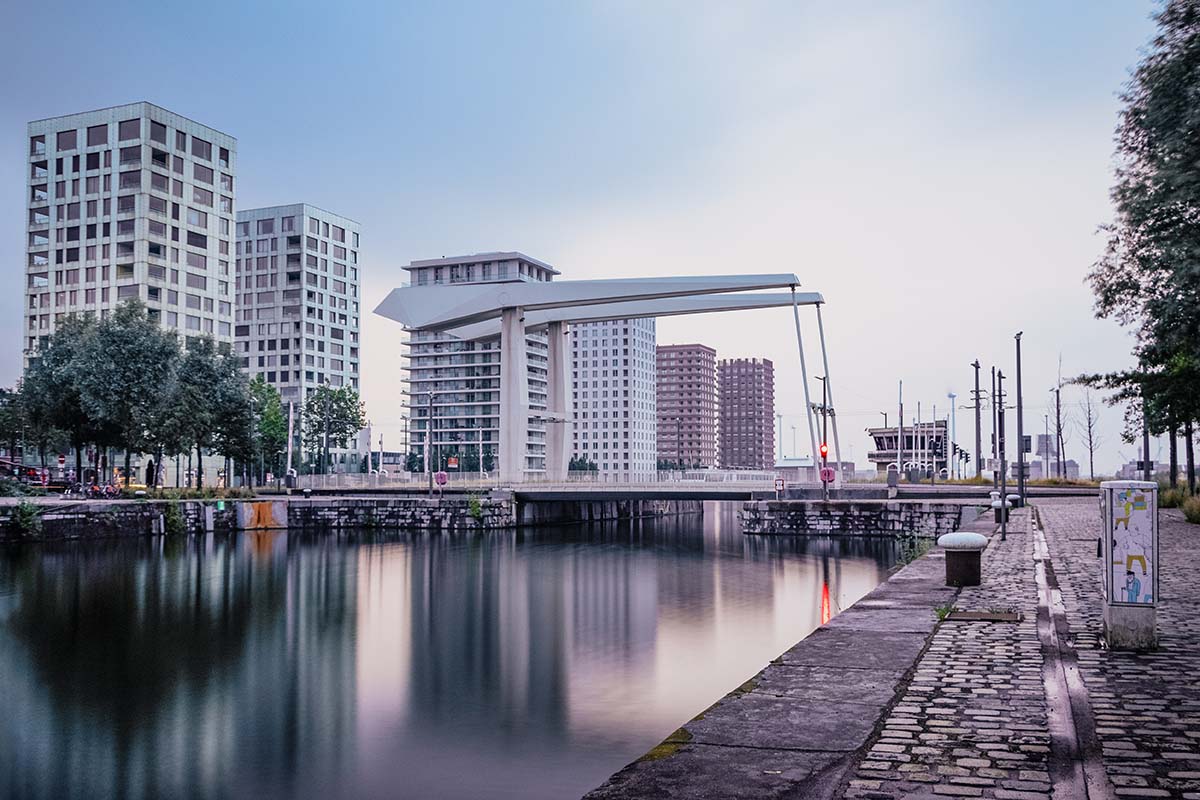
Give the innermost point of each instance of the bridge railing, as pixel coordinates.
(707, 479)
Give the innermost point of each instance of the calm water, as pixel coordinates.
(384, 665)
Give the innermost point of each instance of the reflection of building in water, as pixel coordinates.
(173, 668)
(489, 633)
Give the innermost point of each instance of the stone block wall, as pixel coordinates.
(852, 517)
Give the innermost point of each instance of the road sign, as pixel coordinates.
(452, 462)
(1026, 444)
(827, 474)
(62, 460)
(779, 484)
(440, 478)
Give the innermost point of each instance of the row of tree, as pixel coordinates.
(124, 383)
(1149, 276)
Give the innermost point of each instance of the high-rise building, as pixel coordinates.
(613, 396)
(686, 381)
(747, 402)
(464, 376)
(298, 298)
(129, 202)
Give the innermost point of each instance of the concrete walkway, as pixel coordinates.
(886, 701)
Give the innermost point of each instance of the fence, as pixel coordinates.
(708, 478)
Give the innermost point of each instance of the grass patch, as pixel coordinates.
(944, 611)
(1172, 498)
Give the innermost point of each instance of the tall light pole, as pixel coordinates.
(995, 440)
(1020, 426)
(429, 443)
(794, 441)
(1003, 467)
(952, 472)
(978, 429)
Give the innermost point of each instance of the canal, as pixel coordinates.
(509, 665)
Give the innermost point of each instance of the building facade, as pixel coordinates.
(686, 390)
(613, 399)
(464, 376)
(132, 202)
(925, 447)
(746, 398)
(297, 284)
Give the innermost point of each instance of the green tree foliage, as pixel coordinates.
(1149, 276)
(341, 408)
(270, 426)
(581, 464)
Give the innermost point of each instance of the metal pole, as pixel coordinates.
(900, 435)
(1046, 447)
(1147, 473)
(933, 453)
(955, 471)
(978, 429)
(919, 443)
(1003, 466)
(793, 441)
(837, 446)
(291, 422)
(429, 444)
(812, 431)
(1058, 442)
(679, 442)
(325, 451)
(995, 442)
(1020, 426)
(824, 429)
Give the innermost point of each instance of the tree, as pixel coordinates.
(121, 380)
(329, 419)
(270, 425)
(1087, 428)
(1149, 275)
(12, 420)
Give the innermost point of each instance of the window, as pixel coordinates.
(37, 145)
(158, 229)
(201, 149)
(202, 196)
(97, 135)
(226, 204)
(66, 140)
(225, 157)
(158, 132)
(127, 292)
(197, 218)
(125, 203)
(197, 281)
(160, 183)
(181, 141)
(177, 165)
(339, 252)
(243, 229)
(314, 226)
(158, 205)
(197, 239)
(266, 226)
(196, 260)
(129, 129)
(93, 161)
(339, 234)
(202, 173)
(131, 155)
(130, 180)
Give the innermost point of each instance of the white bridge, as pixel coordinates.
(509, 309)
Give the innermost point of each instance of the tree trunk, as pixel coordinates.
(158, 467)
(1173, 432)
(1191, 461)
(128, 458)
(199, 467)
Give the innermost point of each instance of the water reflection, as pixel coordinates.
(373, 665)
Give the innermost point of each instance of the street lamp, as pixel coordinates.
(953, 434)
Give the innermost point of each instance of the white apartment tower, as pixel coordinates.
(464, 376)
(613, 397)
(129, 202)
(298, 298)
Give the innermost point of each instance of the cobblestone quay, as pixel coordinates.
(1010, 695)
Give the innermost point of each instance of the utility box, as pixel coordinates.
(1129, 521)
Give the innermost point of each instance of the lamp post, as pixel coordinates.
(952, 472)
(1003, 466)
(978, 429)
(1020, 426)
(794, 453)
(429, 443)
(679, 442)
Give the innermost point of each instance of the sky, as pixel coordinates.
(937, 170)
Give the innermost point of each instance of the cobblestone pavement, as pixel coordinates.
(972, 721)
(1146, 705)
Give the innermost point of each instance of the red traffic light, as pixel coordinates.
(824, 450)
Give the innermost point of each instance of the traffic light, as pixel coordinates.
(824, 451)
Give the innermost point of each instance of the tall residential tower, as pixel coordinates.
(687, 404)
(129, 202)
(747, 402)
(298, 298)
(459, 381)
(613, 396)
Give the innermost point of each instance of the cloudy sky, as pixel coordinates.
(937, 169)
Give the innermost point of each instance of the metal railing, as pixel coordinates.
(734, 480)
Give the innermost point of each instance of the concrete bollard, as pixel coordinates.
(1015, 501)
(999, 509)
(963, 551)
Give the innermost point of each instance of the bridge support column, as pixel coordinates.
(514, 395)
(558, 439)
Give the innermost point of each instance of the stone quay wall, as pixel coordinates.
(854, 517)
(57, 520)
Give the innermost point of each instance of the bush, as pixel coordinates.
(1172, 498)
(207, 493)
(27, 519)
(173, 524)
(1191, 510)
(12, 488)
(475, 508)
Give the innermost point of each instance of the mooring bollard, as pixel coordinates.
(1015, 501)
(1129, 517)
(999, 508)
(963, 551)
